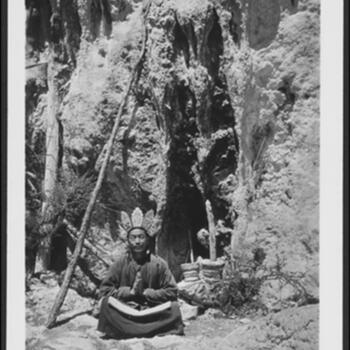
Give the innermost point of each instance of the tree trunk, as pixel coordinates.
(64, 43)
(51, 170)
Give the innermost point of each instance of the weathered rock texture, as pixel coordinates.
(227, 109)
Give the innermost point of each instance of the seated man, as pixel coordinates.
(142, 280)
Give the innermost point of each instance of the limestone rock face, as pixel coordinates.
(226, 109)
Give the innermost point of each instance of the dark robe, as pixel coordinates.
(159, 286)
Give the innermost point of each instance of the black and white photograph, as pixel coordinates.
(172, 184)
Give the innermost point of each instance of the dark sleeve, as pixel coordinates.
(110, 285)
(167, 286)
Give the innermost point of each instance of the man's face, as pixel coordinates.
(138, 240)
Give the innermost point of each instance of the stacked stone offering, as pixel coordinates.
(202, 283)
(212, 270)
(190, 272)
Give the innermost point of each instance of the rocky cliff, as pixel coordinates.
(226, 109)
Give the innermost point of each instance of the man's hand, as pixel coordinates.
(137, 288)
(149, 293)
(122, 293)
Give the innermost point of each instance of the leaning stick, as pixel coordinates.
(212, 231)
(87, 216)
(66, 317)
(95, 248)
(91, 248)
(83, 263)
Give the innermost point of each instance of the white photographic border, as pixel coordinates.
(331, 173)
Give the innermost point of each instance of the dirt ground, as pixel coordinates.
(295, 328)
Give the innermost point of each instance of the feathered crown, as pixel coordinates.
(137, 219)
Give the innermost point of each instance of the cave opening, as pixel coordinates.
(184, 216)
(184, 213)
(190, 184)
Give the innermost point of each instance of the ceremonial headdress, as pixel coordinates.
(136, 220)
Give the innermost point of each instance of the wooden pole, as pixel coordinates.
(212, 231)
(191, 246)
(83, 263)
(87, 216)
(87, 243)
(97, 253)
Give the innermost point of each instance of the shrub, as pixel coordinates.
(241, 284)
(244, 277)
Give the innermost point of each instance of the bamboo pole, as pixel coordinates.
(212, 231)
(87, 216)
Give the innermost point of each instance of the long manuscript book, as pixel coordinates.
(126, 309)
